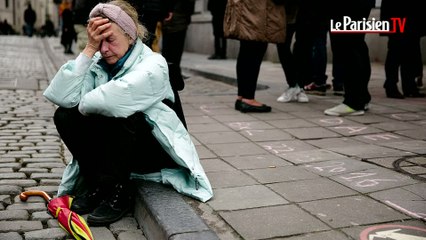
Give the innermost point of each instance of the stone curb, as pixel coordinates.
(163, 214)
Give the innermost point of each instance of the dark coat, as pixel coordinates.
(412, 10)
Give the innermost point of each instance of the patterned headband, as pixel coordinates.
(117, 15)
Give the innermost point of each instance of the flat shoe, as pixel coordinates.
(250, 108)
(238, 105)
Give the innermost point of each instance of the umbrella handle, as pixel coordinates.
(24, 195)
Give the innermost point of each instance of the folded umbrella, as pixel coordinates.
(60, 208)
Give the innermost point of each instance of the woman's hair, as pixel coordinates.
(141, 30)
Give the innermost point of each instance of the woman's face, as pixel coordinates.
(115, 46)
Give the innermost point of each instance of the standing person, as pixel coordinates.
(114, 115)
(217, 9)
(30, 17)
(287, 59)
(404, 53)
(255, 24)
(81, 9)
(173, 42)
(68, 35)
(351, 51)
(151, 12)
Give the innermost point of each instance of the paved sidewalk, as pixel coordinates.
(298, 174)
(290, 174)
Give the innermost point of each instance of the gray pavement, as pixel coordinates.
(293, 173)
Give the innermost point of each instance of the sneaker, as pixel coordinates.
(313, 88)
(343, 110)
(290, 94)
(366, 107)
(302, 97)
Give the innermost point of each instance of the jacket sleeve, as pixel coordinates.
(71, 81)
(143, 85)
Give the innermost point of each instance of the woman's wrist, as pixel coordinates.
(90, 50)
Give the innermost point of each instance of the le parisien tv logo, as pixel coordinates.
(394, 25)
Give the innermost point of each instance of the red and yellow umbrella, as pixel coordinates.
(60, 208)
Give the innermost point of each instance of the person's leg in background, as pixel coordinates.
(285, 54)
(172, 50)
(319, 62)
(392, 66)
(249, 60)
(353, 53)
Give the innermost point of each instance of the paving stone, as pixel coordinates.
(338, 167)
(280, 174)
(14, 215)
(31, 207)
(14, 166)
(46, 165)
(27, 170)
(102, 233)
(10, 236)
(312, 133)
(372, 180)
(41, 216)
(351, 211)
(229, 179)
(131, 235)
(353, 130)
(309, 190)
(49, 233)
(6, 170)
(418, 189)
(20, 226)
(38, 176)
(244, 197)
(317, 155)
(5, 199)
(250, 125)
(329, 235)
(19, 182)
(282, 148)
(370, 151)
(13, 175)
(124, 224)
(415, 146)
(291, 123)
(419, 134)
(274, 221)
(10, 190)
(219, 137)
(233, 149)
(266, 135)
(216, 165)
(256, 161)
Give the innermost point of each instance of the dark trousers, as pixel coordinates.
(285, 54)
(249, 59)
(401, 60)
(351, 51)
(219, 39)
(108, 149)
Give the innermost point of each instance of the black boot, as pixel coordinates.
(393, 93)
(114, 208)
(87, 202)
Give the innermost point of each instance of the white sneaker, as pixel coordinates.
(343, 110)
(290, 94)
(302, 97)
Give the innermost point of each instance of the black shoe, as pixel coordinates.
(244, 108)
(394, 93)
(415, 95)
(238, 104)
(112, 209)
(315, 89)
(87, 202)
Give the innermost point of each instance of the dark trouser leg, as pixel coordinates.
(286, 56)
(249, 60)
(392, 63)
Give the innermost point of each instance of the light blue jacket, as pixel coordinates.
(140, 85)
